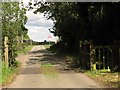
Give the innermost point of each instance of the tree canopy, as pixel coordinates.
(13, 21)
(83, 21)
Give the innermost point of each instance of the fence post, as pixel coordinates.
(94, 65)
(99, 57)
(103, 58)
(108, 58)
(17, 37)
(6, 50)
(91, 55)
(22, 38)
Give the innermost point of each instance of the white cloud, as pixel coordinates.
(38, 20)
(40, 33)
(38, 27)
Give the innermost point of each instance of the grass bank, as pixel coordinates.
(8, 73)
(25, 49)
(108, 78)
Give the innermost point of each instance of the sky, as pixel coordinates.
(38, 26)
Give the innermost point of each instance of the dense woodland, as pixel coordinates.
(86, 22)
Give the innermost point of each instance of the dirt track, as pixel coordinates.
(37, 73)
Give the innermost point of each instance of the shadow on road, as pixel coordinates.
(38, 51)
(44, 57)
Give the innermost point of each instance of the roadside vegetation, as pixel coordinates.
(8, 74)
(25, 49)
(47, 46)
(88, 37)
(108, 78)
(87, 30)
(103, 76)
(15, 39)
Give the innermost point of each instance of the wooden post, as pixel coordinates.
(108, 58)
(80, 61)
(91, 55)
(99, 54)
(22, 38)
(103, 58)
(6, 51)
(94, 65)
(17, 37)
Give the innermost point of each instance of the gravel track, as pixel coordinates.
(35, 75)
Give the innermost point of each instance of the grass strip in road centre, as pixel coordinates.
(49, 70)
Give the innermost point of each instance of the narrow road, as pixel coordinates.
(42, 69)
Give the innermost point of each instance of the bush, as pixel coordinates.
(58, 47)
(73, 61)
(16, 63)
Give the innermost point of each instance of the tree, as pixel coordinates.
(65, 23)
(77, 21)
(13, 20)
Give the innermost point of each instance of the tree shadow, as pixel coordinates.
(45, 57)
(32, 70)
(39, 51)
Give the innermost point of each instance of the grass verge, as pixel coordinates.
(8, 74)
(25, 50)
(108, 78)
(47, 46)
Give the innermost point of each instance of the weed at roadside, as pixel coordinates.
(108, 78)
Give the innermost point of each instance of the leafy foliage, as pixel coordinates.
(13, 20)
(77, 21)
(7, 74)
(83, 21)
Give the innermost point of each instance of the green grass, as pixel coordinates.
(47, 46)
(25, 50)
(0, 72)
(49, 70)
(48, 65)
(108, 78)
(6, 74)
